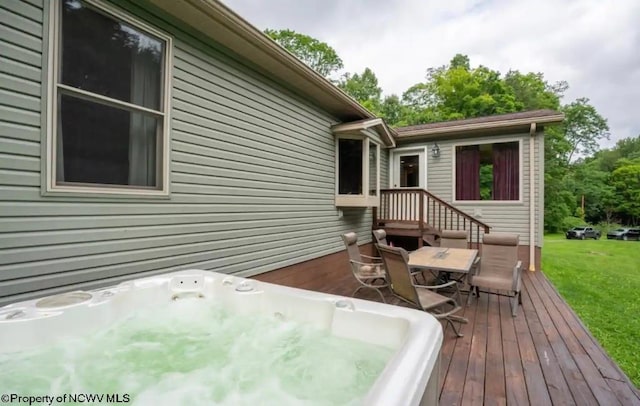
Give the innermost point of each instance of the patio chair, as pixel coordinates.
(423, 297)
(454, 239)
(499, 268)
(370, 274)
(380, 237)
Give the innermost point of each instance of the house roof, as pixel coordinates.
(220, 24)
(512, 122)
(377, 124)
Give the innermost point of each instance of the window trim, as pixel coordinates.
(53, 89)
(364, 199)
(484, 142)
(406, 150)
(368, 167)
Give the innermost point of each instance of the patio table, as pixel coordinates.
(450, 260)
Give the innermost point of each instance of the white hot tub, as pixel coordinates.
(199, 337)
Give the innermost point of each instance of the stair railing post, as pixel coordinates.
(421, 219)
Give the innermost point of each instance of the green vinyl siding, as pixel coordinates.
(384, 167)
(501, 216)
(252, 174)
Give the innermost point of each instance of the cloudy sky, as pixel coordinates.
(592, 44)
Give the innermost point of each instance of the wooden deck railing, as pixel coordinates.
(420, 207)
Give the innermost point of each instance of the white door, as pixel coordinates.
(408, 169)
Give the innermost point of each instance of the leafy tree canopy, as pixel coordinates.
(316, 54)
(362, 87)
(583, 128)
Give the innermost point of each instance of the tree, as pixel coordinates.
(460, 61)
(628, 147)
(458, 92)
(608, 158)
(392, 110)
(362, 87)
(592, 183)
(533, 92)
(626, 181)
(583, 128)
(318, 55)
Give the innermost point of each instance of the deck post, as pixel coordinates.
(421, 220)
(374, 218)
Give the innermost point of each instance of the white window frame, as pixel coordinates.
(50, 186)
(489, 202)
(393, 168)
(364, 199)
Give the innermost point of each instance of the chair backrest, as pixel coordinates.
(396, 262)
(454, 239)
(499, 254)
(380, 237)
(351, 243)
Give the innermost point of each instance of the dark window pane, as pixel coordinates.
(506, 175)
(468, 172)
(104, 56)
(410, 171)
(350, 167)
(105, 145)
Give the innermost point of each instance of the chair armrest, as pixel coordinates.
(353, 261)
(444, 285)
(379, 259)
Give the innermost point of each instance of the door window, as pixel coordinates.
(410, 171)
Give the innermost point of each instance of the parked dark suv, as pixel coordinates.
(632, 234)
(582, 233)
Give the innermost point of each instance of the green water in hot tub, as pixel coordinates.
(190, 353)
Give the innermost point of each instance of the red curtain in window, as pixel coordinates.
(468, 173)
(506, 171)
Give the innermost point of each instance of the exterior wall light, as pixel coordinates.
(435, 150)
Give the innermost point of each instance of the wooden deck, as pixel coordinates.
(543, 356)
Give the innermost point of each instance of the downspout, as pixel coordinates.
(532, 199)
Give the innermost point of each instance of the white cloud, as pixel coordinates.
(594, 45)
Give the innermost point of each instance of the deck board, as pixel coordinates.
(474, 381)
(557, 386)
(543, 356)
(513, 372)
(495, 392)
(452, 389)
(534, 378)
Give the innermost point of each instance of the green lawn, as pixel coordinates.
(601, 281)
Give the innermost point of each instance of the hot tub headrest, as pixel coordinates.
(508, 239)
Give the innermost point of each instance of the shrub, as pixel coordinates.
(605, 228)
(570, 222)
